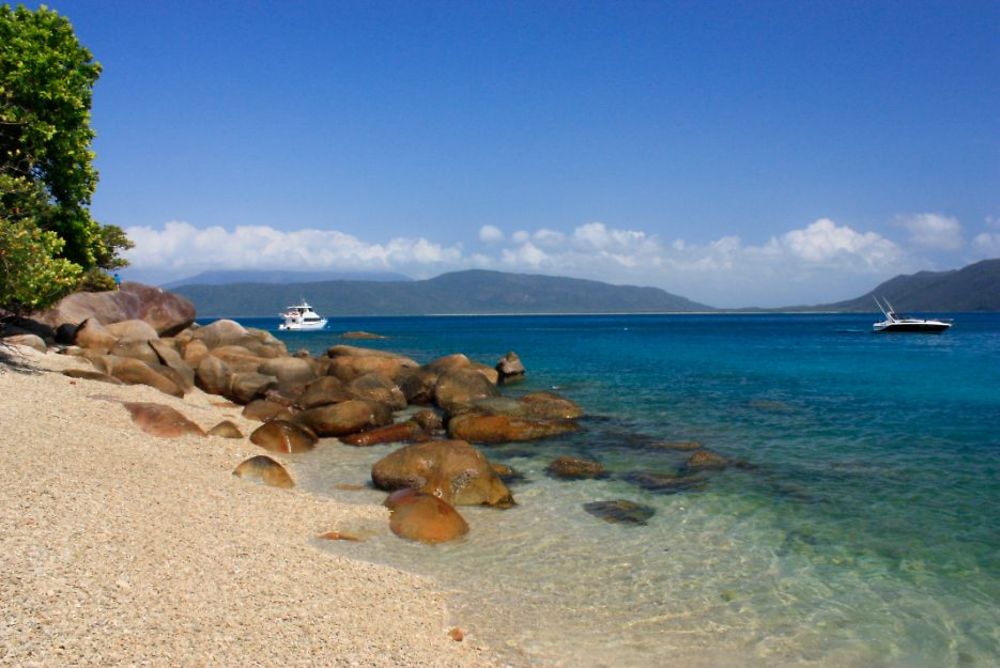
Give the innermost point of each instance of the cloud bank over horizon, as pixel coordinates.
(821, 262)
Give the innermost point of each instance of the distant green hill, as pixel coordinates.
(473, 291)
(972, 288)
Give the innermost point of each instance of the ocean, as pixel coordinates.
(860, 526)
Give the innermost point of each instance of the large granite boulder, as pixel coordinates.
(282, 436)
(323, 391)
(132, 330)
(136, 349)
(238, 358)
(457, 389)
(505, 429)
(374, 387)
(245, 387)
(426, 518)
(220, 333)
(537, 405)
(160, 420)
(346, 417)
(135, 372)
(291, 372)
(92, 335)
(168, 356)
(451, 470)
(213, 375)
(350, 362)
(166, 312)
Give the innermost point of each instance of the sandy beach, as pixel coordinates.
(122, 548)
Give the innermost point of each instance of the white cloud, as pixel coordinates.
(490, 234)
(987, 244)
(527, 254)
(824, 241)
(932, 230)
(520, 236)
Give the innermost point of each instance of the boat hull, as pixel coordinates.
(302, 326)
(912, 328)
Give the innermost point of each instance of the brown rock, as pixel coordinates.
(27, 340)
(226, 429)
(265, 470)
(448, 363)
(706, 459)
(504, 429)
(575, 468)
(362, 335)
(456, 634)
(134, 372)
(418, 386)
(264, 410)
(212, 375)
(91, 375)
(349, 367)
(290, 371)
(551, 406)
(338, 535)
(429, 420)
(323, 391)
(245, 387)
(452, 470)
(220, 333)
(458, 388)
(92, 335)
(620, 511)
(403, 432)
(347, 417)
(373, 387)
(282, 436)
(238, 358)
(135, 349)
(510, 367)
(167, 313)
(132, 330)
(427, 519)
(168, 356)
(160, 420)
(195, 352)
(676, 445)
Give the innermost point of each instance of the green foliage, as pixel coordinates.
(46, 165)
(31, 276)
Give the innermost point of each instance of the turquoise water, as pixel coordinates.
(860, 529)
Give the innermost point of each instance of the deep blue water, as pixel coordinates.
(861, 527)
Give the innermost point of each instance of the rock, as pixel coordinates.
(429, 420)
(347, 417)
(487, 372)
(66, 334)
(456, 634)
(675, 445)
(448, 363)
(212, 375)
(706, 459)
(265, 343)
(362, 335)
(135, 349)
(132, 330)
(373, 387)
(510, 366)
(194, 352)
(245, 387)
(504, 429)
(620, 511)
(506, 473)
(458, 388)
(135, 372)
(283, 436)
(427, 519)
(91, 375)
(264, 469)
(160, 420)
(551, 406)
(92, 335)
(290, 371)
(323, 391)
(452, 470)
(418, 386)
(575, 468)
(264, 410)
(28, 340)
(403, 432)
(665, 483)
(226, 429)
(165, 312)
(238, 358)
(168, 356)
(356, 351)
(339, 535)
(349, 367)
(220, 333)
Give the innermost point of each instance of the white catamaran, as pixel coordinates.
(300, 317)
(895, 322)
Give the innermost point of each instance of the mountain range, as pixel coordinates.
(972, 288)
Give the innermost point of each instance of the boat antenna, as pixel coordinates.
(880, 307)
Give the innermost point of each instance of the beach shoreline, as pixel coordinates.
(122, 547)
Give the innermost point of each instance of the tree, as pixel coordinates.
(47, 177)
(30, 275)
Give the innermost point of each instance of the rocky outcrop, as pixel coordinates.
(451, 470)
(162, 421)
(504, 429)
(265, 470)
(165, 312)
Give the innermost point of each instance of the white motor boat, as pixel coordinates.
(900, 323)
(301, 317)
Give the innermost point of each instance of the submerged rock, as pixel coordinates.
(282, 436)
(666, 483)
(706, 459)
(620, 511)
(575, 468)
(505, 429)
(362, 335)
(264, 469)
(402, 432)
(425, 518)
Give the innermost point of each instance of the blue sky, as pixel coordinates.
(733, 152)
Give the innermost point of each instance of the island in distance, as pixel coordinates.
(975, 287)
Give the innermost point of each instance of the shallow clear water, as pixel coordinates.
(861, 530)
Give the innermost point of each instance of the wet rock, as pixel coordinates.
(264, 410)
(132, 330)
(575, 468)
(265, 470)
(245, 387)
(427, 519)
(373, 387)
(620, 511)
(323, 391)
(666, 483)
(212, 375)
(418, 386)
(362, 335)
(459, 388)
(452, 470)
(162, 421)
(429, 420)
(347, 417)
(549, 405)
(504, 429)
(91, 375)
(706, 459)
(403, 432)
(507, 474)
(510, 368)
(27, 340)
(283, 436)
(226, 429)
(349, 367)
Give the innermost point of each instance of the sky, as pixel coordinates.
(736, 153)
